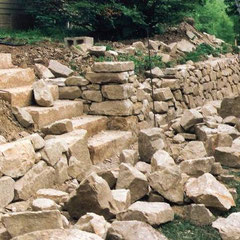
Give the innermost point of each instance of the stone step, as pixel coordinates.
(23, 96)
(108, 144)
(16, 77)
(93, 124)
(62, 109)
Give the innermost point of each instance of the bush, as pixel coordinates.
(110, 19)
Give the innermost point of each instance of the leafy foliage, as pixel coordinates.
(112, 19)
(212, 18)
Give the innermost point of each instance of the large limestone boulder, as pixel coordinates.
(113, 108)
(6, 191)
(168, 183)
(153, 213)
(59, 234)
(53, 194)
(93, 195)
(39, 176)
(193, 150)
(210, 192)
(59, 127)
(42, 94)
(185, 46)
(122, 198)
(25, 222)
(16, 158)
(111, 67)
(198, 214)
(160, 160)
(230, 107)
(197, 167)
(132, 179)
(93, 223)
(43, 204)
(23, 117)
(229, 227)
(59, 70)
(190, 118)
(107, 77)
(117, 92)
(149, 141)
(43, 72)
(228, 156)
(133, 230)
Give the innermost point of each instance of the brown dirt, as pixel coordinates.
(9, 127)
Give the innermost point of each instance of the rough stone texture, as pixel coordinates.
(59, 127)
(190, 118)
(197, 167)
(16, 158)
(93, 223)
(162, 94)
(76, 81)
(132, 179)
(61, 170)
(92, 95)
(228, 156)
(168, 183)
(41, 204)
(40, 176)
(133, 230)
(153, 213)
(230, 107)
(193, 150)
(36, 140)
(69, 92)
(208, 191)
(6, 61)
(6, 191)
(59, 234)
(23, 117)
(185, 46)
(149, 141)
(229, 227)
(129, 156)
(58, 69)
(93, 195)
(143, 167)
(43, 72)
(198, 214)
(122, 198)
(117, 92)
(109, 175)
(25, 222)
(160, 160)
(113, 108)
(42, 94)
(107, 77)
(53, 194)
(111, 67)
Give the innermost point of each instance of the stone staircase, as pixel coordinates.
(16, 88)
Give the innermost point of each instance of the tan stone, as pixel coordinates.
(43, 72)
(108, 144)
(53, 194)
(153, 213)
(58, 69)
(109, 175)
(229, 228)
(133, 230)
(107, 77)
(25, 222)
(59, 234)
(6, 191)
(97, 50)
(43, 204)
(111, 67)
(16, 77)
(6, 61)
(190, 118)
(139, 46)
(16, 158)
(122, 198)
(132, 179)
(92, 95)
(76, 81)
(61, 170)
(113, 108)
(161, 107)
(23, 117)
(162, 94)
(208, 191)
(160, 160)
(117, 92)
(38, 177)
(101, 201)
(129, 156)
(149, 141)
(58, 127)
(71, 92)
(185, 46)
(93, 223)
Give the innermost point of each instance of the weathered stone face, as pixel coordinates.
(71, 93)
(132, 179)
(16, 158)
(190, 118)
(107, 77)
(152, 213)
(93, 195)
(230, 107)
(6, 191)
(208, 191)
(43, 72)
(111, 67)
(59, 69)
(117, 92)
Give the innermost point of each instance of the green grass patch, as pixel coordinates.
(180, 229)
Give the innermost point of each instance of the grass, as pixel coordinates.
(180, 229)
